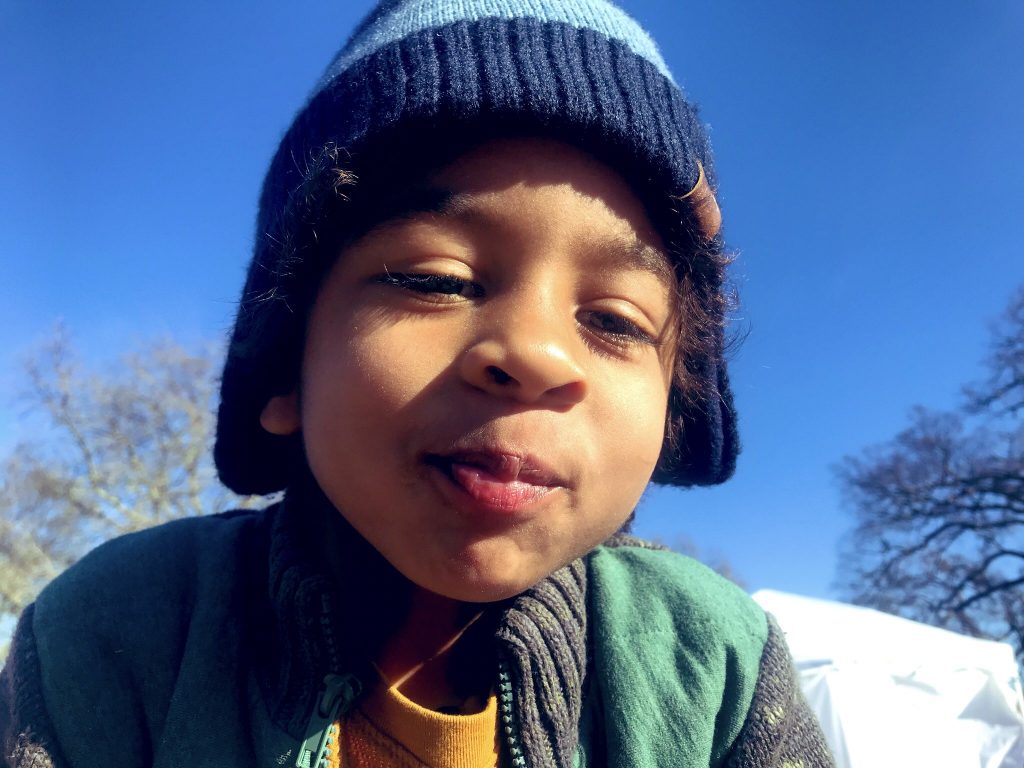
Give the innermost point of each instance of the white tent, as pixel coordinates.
(893, 692)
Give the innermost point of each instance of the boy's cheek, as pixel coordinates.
(366, 354)
(632, 413)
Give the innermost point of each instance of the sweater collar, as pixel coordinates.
(318, 572)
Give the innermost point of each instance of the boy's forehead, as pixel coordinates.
(464, 191)
(429, 201)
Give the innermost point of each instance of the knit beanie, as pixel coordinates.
(423, 78)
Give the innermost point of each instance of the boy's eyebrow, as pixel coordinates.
(412, 201)
(639, 255)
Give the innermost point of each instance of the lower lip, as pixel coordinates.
(476, 490)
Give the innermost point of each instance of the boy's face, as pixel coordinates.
(484, 384)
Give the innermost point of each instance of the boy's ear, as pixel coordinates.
(281, 416)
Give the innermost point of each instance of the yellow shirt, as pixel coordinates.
(387, 729)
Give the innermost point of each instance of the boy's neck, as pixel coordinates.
(437, 651)
(434, 648)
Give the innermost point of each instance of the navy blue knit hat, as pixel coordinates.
(433, 75)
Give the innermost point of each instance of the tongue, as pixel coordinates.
(501, 469)
(499, 487)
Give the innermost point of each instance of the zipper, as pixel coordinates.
(508, 722)
(327, 631)
(338, 694)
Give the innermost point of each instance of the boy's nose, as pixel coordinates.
(527, 360)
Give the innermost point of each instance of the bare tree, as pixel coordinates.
(117, 450)
(939, 509)
(1002, 394)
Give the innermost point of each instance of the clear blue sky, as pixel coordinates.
(872, 182)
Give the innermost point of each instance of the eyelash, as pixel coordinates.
(620, 329)
(624, 330)
(443, 285)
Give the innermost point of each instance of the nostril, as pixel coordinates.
(499, 376)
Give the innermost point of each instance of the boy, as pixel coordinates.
(485, 308)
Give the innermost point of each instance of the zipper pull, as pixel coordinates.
(338, 694)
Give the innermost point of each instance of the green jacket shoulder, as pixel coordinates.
(113, 632)
(680, 650)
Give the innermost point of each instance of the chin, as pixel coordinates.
(478, 582)
(485, 593)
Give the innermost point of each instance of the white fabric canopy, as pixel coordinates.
(893, 692)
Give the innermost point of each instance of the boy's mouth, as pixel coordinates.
(502, 482)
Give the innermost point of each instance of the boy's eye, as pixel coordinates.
(616, 327)
(444, 285)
